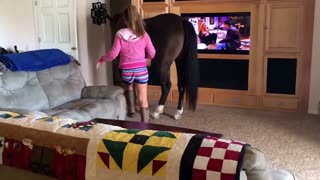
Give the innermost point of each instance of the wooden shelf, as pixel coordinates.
(182, 2)
(276, 31)
(223, 56)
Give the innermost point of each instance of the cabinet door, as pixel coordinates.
(284, 26)
(282, 75)
(154, 92)
(235, 100)
(148, 1)
(148, 11)
(280, 103)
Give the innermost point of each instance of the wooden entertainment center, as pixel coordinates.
(278, 65)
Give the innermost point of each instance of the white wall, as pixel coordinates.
(93, 42)
(314, 97)
(17, 27)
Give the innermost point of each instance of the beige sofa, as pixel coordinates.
(60, 91)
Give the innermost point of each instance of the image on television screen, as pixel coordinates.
(225, 33)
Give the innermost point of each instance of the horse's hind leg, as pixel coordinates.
(165, 89)
(181, 91)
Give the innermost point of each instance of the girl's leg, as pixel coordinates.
(131, 100)
(143, 100)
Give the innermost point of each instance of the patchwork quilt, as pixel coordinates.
(155, 155)
(114, 152)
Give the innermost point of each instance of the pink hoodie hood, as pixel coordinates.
(127, 34)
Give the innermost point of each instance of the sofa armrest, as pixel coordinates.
(101, 92)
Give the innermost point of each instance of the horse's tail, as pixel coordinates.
(190, 72)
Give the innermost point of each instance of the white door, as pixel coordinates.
(56, 24)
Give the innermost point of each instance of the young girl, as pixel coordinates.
(134, 46)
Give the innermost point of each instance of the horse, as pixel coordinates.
(175, 40)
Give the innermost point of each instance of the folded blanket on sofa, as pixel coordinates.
(3, 68)
(35, 60)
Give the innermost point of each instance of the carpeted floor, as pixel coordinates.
(290, 141)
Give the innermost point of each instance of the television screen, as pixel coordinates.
(222, 33)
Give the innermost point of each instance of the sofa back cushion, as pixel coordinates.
(61, 84)
(22, 90)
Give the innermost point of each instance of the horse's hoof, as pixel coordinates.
(177, 116)
(156, 115)
(157, 112)
(159, 109)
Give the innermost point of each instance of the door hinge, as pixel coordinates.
(36, 3)
(39, 39)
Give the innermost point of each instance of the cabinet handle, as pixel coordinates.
(280, 103)
(235, 99)
(155, 93)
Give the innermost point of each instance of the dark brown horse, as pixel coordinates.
(175, 40)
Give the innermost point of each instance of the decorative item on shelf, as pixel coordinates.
(99, 13)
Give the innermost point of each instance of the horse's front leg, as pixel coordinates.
(165, 89)
(178, 114)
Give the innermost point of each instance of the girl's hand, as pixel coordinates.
(99, 63)
(148, 62)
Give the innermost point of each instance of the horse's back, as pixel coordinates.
(164, 19)
(167, 35)
(166, 31)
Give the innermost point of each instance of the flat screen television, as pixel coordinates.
(221, 33)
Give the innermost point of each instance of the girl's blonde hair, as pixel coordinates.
(134, 21)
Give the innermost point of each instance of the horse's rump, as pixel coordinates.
(167, 34)
(174, 39)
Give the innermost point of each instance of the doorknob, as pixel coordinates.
(73, 48)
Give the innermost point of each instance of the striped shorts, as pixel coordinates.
(137, 75)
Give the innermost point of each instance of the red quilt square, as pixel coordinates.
(228, 176)
(232, 155)
(220, 144)
(205, 151)
(215, 165)
(199, 174)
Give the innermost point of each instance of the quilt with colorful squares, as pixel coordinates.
(115, 153)
(147, 154)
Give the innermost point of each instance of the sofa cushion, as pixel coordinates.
(103, 108)
(87, 109)
(75, 114)
(61, 83)
(21, 90)
(101, 92)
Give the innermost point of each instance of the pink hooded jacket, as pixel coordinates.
(132, 49)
